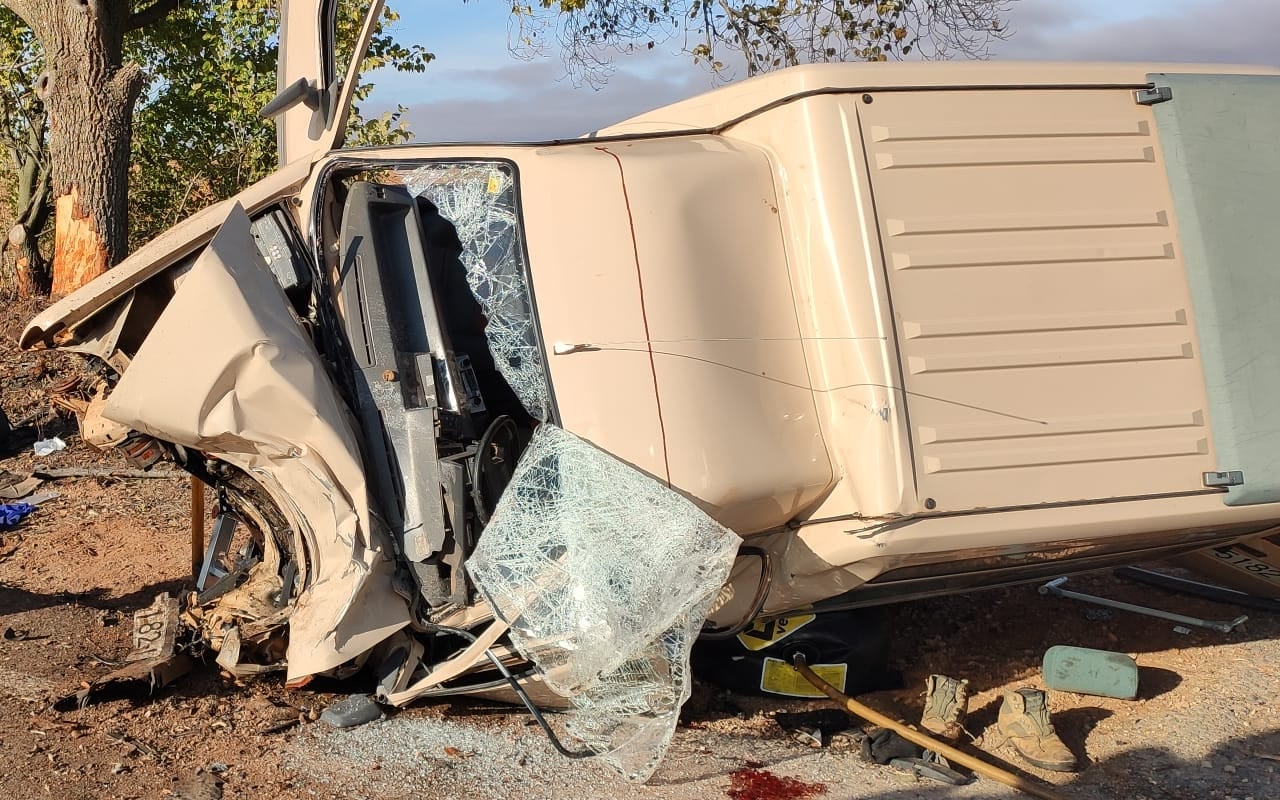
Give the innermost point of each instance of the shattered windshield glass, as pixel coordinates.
(605, 576)
(479, 198)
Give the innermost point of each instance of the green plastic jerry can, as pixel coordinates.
(1085, 671)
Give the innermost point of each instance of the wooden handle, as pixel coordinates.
(197, 526)
(924, 740)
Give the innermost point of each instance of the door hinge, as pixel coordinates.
(1153, 95)
(1217, 480)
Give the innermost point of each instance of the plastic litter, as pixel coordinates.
(605, 576)
(46, 447)
(12, 513)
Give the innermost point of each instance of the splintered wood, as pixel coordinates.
(79, 254)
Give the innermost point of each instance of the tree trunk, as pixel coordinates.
(89, 95)
(31, 271)
(32, 276)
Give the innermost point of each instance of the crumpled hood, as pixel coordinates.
(227, 370)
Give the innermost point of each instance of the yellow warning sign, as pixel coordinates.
(763, 633)
(779, 677)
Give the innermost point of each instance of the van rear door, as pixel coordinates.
(1040, 297)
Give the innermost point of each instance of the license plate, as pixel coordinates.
(155, 629)
(1250, 565)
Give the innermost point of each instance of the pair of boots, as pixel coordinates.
(1023, 721)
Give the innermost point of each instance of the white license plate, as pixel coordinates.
(155, 629)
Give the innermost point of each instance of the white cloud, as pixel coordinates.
(534, 101)
(1207, 31)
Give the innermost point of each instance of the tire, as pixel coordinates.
(850, 649)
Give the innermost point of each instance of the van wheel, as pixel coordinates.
(850, 649)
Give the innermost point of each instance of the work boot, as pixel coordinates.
(1024, 722)
(946, 703)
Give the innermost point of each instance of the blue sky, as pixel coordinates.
(476, 90)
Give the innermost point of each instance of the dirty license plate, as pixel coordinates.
(155, 629)
(779, 677)
(1250, 565)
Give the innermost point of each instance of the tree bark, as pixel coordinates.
(32, 276)
(89, 95)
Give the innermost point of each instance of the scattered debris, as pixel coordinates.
(1054, 587)
(14, 488)
(19, 635)
(933, 767)
(828, 721)
(47, 447)
(155, 657)
(138, 747)
(112, 472)
(356, 709)
(923, 740)
(199, 787)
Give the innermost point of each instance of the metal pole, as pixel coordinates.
(1054, 587)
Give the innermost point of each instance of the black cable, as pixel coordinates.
(519, 690)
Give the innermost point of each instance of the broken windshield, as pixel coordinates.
(480, 199)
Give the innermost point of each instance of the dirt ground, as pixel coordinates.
(1205, 725)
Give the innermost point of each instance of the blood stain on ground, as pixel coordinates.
(760, 784)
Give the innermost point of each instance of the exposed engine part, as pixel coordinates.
(757, 603)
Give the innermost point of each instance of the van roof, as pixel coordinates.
(722, 107)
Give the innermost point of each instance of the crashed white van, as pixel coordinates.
(904, 328)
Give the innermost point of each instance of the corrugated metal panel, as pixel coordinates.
(1039, 297)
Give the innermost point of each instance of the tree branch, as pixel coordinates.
(146, 16)
(23, 9)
